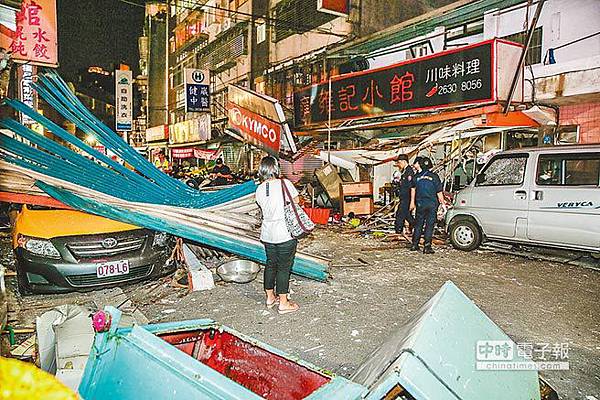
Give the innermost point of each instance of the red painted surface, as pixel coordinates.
(32, 199)
(587, 116)
(264, 373)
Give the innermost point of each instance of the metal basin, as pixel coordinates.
(238, 271)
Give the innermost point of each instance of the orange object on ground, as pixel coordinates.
(318, 215)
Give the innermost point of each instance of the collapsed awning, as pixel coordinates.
(410, 138)
(139, 194)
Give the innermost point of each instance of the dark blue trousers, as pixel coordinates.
(403, 214)
(425, 221)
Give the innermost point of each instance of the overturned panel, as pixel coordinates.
(436, 356)
(200, 360)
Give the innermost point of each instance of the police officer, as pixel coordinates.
(426, 195)
(402, 183)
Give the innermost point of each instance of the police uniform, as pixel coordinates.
(402, 185)
(427, 185)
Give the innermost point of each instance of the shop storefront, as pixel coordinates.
(157, 139)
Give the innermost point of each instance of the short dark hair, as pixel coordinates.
(424, 162)
(219, 161)
(402, 157)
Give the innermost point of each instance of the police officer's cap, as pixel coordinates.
(424, 162)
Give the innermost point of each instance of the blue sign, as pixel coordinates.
(197, 98)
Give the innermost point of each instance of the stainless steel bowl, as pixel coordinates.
(238, 271)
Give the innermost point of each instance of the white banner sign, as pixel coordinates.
(123, 100)
(26, 92)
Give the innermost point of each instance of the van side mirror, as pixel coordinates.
(480, 179)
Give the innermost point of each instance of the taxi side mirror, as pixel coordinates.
(480, 179)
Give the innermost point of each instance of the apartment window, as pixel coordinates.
(464, 30)
(568, 134)
(261, 33)
(297, 16)
(209, 16)
(534, 53)
(177, 77)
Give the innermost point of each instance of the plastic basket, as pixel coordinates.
(318, 215)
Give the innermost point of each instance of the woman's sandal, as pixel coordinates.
(271, 305)
(295, 307)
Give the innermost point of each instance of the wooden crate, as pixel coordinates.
(357, 197)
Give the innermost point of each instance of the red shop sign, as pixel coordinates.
(258, 130)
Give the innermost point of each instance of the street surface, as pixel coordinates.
(341, 323)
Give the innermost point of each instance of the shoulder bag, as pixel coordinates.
(297, 221)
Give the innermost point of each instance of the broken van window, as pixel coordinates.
(505, 171)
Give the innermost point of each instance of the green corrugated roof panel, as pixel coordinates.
(460, 15)
(434, 356)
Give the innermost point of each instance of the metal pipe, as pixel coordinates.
(515, 80)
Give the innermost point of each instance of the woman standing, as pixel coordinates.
(280, 246)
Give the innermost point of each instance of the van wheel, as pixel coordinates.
(465, 235)
(22, 283)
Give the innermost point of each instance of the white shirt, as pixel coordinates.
(273, 229)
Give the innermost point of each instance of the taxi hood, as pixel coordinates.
(47, 224)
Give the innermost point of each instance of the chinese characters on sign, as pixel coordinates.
(197, 90)
(123, 99)
(506, 355)
(26, 93)
(191, 130)
(35, 37)
(450, 78)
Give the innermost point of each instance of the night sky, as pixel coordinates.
(98, 32)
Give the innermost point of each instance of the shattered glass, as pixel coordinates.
(505, 171)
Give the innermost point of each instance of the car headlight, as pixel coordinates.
(160, 239)
(40, 247)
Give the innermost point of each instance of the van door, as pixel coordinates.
(499, 198)
(564, 203)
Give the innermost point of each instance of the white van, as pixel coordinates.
(547, 196)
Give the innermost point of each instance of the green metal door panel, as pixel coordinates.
(434, 356)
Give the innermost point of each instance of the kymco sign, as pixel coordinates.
(258, 130)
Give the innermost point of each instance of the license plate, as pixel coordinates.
(112, 268)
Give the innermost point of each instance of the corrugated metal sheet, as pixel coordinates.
(301, 169)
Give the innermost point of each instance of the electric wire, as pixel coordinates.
(274, 22)
(269, 21)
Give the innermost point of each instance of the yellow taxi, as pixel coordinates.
(64, 250)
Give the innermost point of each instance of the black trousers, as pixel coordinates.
(280, 258)
(426, 215)
(403, 214)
